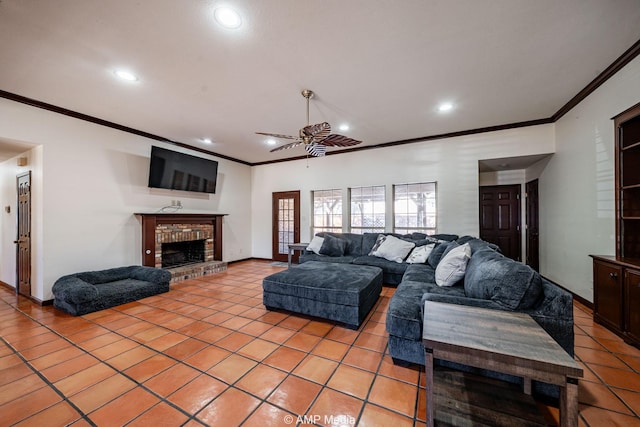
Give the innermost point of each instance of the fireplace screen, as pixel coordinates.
(182, 253)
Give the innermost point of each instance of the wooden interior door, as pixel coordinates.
(533, 232)
(286, 224)
(23, 242)
(500, 218)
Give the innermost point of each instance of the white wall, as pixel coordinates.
(577, 207)
(452, 163)
(93, 180)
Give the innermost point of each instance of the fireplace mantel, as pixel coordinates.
(150, 222)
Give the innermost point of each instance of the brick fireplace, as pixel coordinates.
(186, 245)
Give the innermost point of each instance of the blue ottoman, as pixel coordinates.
(341, 292)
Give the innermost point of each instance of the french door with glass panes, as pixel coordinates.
(286, 224)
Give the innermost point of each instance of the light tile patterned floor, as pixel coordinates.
(209, 353)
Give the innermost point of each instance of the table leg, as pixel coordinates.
(526, 385)
(428, 373)
(569, 403)
(290, 253)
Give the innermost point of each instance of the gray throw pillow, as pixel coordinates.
(436, 254)
(333, 246)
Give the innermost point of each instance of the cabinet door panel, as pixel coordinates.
(632, 302)
(608, 294)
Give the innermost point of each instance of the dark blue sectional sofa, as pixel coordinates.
(491, 280)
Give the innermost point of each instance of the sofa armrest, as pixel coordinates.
(74, 290)
(151, 274)
(451, 299)
(554, 314)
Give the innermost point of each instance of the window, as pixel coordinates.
(327, 211)
(414, 208)
(367, 209)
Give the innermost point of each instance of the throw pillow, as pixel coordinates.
(333, 246)
(453, 265)
(316, 244)
(436, 254)
(393, 249)
(381, 238)
(420, 254)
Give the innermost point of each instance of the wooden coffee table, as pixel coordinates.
(501, 341)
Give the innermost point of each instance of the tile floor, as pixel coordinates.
(209, 353)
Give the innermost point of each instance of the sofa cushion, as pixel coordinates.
(306, 257)
(333, 246)
(354, 241)
(368, 241)
(404, 316)
(316, 244)
(384, 264)
(446, 237)
(419, 254)
(452, 266)
(436, 254)
(420, 273)
(392, 248)
(477, 244)
(492, 276)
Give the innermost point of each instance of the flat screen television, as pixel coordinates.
(179, 171)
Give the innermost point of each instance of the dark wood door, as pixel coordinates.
(286, 224)
(533, 233)
(23, 256)
(500, 218)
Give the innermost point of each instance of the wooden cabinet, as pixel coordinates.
(607, 294)
(616, 295)
(627, 174)
(632, 304)
(616, 279)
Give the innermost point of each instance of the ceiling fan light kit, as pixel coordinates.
(316, 138)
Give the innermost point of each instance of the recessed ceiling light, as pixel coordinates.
(271, 142)
(207, 140)
(445, 106)
(126, 75)
(344, 127)
(228, 18)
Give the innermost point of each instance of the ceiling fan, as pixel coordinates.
(316, 138)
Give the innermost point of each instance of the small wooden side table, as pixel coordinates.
(502, 341)
(296, 247)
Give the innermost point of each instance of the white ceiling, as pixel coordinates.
(380, 66)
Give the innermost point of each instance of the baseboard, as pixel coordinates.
(32, 298)
(576, 297)
(250, 259)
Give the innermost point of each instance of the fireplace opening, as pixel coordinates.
(182, 253)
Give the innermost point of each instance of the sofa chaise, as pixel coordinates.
(488, 280)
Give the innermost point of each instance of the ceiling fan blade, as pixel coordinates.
(315, 149)
(318, 131)
(277, 135)
(287, 146)
(335, 140)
